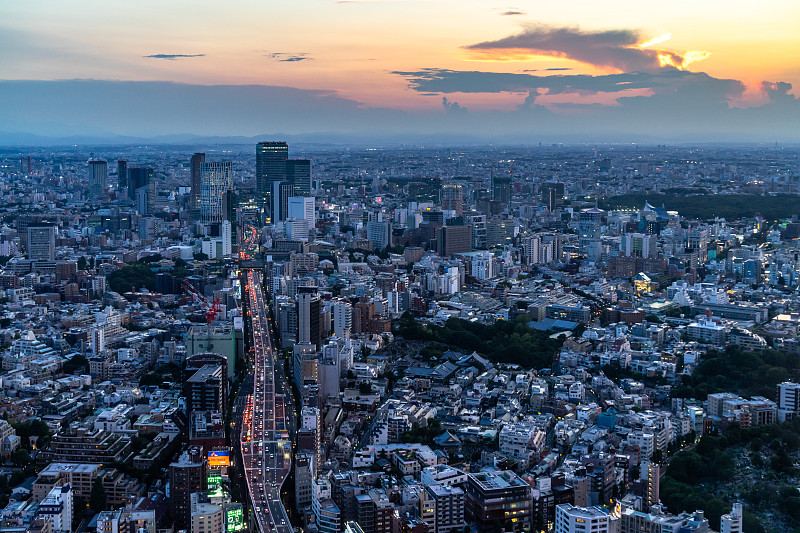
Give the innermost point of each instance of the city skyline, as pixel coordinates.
(395, 70)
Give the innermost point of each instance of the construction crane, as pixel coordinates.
(212, 309)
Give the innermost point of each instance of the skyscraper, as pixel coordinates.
(271, 165)
(552, 195)
(98, 179)
(590, 223)
(298, 173)
(197, 160)
(302, 207)
(281, 192)
(42, 243)
(122, 174)
(309, 328)
(501, 190)
(216, 181)
(142, 178)
(452, 198)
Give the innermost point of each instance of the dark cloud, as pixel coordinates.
(513, 12)
(452, 107)
(547, 69)
(454, 81)
(611, 48)
(289, 58)
(172, 57)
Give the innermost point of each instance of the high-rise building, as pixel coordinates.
(379, 233)
(552, 195)
(501, 190)
(216, 183)
(42, 243)
(451, 197)
(281, 192)
(197, 183)
(639, 245)
(454, 240)
(296, 229)
(298, 173)
(342, 319)
(788, 401)
(304, 475)
(142, 189)
(499, 498)
(303, 207)
(650, 474)
(186, 476)
(571, 519)
(448, 506)
(590, 223)
(206, 389)
(271, 158)
(98, 179)
(122, 174)
(309, 327)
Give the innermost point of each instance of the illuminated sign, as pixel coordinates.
(218, 458)
(234, 517)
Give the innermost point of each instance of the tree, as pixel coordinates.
(20, 457)
(82, 263)
(97, 498)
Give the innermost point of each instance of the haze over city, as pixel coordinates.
(399, 70)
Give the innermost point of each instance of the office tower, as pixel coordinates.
(303, 207)
(216, 181)
(186, 476)
(298, 173)
(98, 179)
(454, 240)
(497, 498)
(732, 522)
(501, 190)
(451, 197)
(571, 519)
(590, 223)
(142, 189)
(206, 389)
(639, 245)
(122, 174)
(309, 328)
(271, 158)
(296, 229)
(281, 192)
(197, 183)
(42, 243)
(379, 234)
(552, 195)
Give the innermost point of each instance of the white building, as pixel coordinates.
(302, 207)
(571, 519)
(732, 522)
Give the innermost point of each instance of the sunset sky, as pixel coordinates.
(486, 58)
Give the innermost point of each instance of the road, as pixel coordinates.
(265, 444)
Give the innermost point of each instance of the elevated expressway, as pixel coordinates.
(265, 444)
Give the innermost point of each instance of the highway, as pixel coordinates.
(265, 444)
